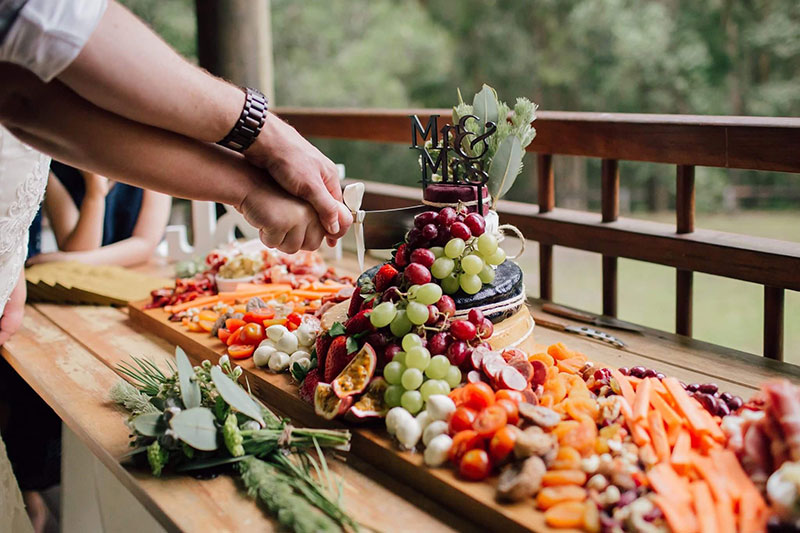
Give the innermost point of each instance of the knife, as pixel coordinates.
(592, 333)
(588, 318)
(380, 229)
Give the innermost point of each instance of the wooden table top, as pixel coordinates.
(68, 353)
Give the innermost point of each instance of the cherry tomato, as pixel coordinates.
(240, 351)
(234, 323)
(490, 420)
(458, 395)
(461, 419)
(508, 394)
(294, 318)
(223, 334)
(478, 395)
(234, 337)
(464, 441)
(258, 316)
(502, 444)
(512, 412)
(252, 334)
(475, 465)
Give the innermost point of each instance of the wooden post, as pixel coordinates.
(234, 39)
(610, 209)
(773, 322)
(547, 201)
(684, 279)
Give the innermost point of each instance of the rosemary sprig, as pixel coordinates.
(146, 376)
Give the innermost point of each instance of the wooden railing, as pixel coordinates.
(771, 144)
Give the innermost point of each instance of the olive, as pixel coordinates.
(624, 370)
(650, 373)
(661, 375)
(708, 388)
(638, 371)
(735, 403)
(722, 408)
(726, 396)
(692, 387)
(707, 401)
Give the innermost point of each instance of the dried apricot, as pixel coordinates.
(571, 365)
(545, 358)
(550, 496)
(567, 459)
(579, 408)
(582, 437)
(565, 515)
(559, 351)
(564, 477)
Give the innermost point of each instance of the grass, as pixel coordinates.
(726, 312)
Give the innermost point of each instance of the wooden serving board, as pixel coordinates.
(474, 501)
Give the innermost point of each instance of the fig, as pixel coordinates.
(327, 404)
(353, 379)
(371, 404)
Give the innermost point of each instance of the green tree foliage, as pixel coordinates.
(738, 57)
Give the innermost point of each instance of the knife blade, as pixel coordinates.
(592, 333)
(386, 227)
(588, 318)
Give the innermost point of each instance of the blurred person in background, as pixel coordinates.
(98, 221)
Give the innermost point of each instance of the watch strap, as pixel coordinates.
(250, 122)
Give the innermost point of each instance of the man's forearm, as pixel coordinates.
(165, 91)
(53, 119)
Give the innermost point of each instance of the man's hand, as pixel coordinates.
(303, 171)
(15, 308)
(284, 222)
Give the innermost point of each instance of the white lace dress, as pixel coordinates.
(23, 176)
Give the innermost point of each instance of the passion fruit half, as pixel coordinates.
(371, 405)
(327, 404)
(353, 379)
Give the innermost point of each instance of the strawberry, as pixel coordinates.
(359, 323)
(309, 385)
(322, 344)
(355, 302)
(385, 277)
(337, 358)
(401, 256)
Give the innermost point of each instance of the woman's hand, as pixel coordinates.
(302, 171)
(14, 310)
(97, 186)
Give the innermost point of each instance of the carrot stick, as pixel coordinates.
(659, 387)
(679, 515)
(624, 386)
(658, 435)
(671, 418)
(197, 302)
(716, 481)
(690, 409)
(739, 481)
(701, 497)
(680, 452)
(634, 381)
(752, 515)
(642, 400)
(668, 483)
(715, 431)
(726, 518)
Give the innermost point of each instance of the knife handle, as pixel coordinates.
(560, 310)
(547, 322)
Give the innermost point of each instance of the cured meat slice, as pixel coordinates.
(784, 406)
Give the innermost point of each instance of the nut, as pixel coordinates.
(597, 482)
(590, 464)
(611, 495)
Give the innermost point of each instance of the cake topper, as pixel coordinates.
(459, 153)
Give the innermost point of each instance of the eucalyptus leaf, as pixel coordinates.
(196, 428)
(505, 166)
(235, 396)
(149, 424)
(190, 389)
(485, 106)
